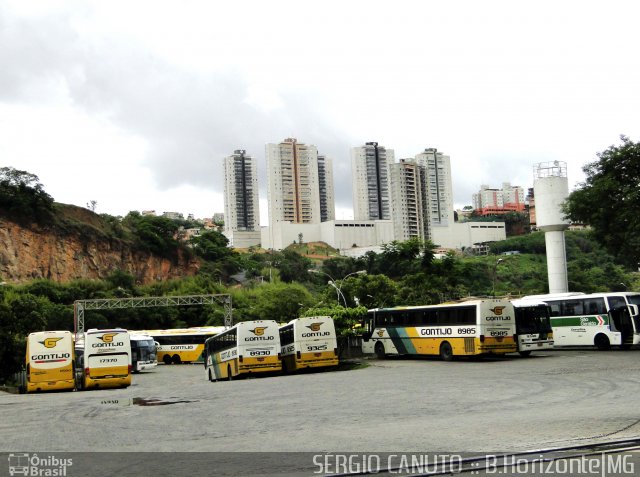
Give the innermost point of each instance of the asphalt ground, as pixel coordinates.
(403, 405)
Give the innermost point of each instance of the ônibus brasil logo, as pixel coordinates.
(107, 337)
(315, 326)
(497, 310)
(50, 342)
(259, 330)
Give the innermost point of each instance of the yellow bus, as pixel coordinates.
(181, 345)
(247, 348)
(470, 328)
(308, 342)
(50, 361)
(105, 358)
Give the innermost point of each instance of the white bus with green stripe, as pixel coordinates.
(596, 319)
(471, 328)
(250, 347)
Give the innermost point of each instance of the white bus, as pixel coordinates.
(247, 348)
(533, 326)
(308, 342)
(470, 328)
(596, 319)
(143, 352)
(50, 361)
(105, 358)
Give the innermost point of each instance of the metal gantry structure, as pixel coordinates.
(80, 306)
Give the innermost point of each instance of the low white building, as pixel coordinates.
(464, 234)
(340, 234)
(243, 239)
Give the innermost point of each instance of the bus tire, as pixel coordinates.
(285, 370)
(602, 342)
(229, 375)
(525, 354)
(446, 351)
(379, 350)
(166, 359)
(176, 359)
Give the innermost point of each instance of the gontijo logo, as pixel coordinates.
(498, 316)
(107, 341)
(50, 342)
(107, 337)
(315, 331)
(258, 331)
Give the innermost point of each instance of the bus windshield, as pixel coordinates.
(533, 319)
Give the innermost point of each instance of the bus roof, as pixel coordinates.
(440, 305)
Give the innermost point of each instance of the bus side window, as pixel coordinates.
(616, 302)
(555, 309)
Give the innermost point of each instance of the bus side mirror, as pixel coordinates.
(633, 309)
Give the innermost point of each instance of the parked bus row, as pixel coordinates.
(255, 347)
(499, 326)
(95, 359)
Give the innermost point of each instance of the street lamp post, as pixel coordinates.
(338, 288)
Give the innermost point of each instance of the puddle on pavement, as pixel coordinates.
(142, 402)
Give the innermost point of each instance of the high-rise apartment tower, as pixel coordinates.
(241, 203)
(325, 185)
(293, 191)
(438, 186)
(371, 185)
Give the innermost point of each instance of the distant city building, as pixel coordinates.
(325, 189)
(422, 195)
(438, 187)
(293, 191)
(173, 215)
(241, 200)
(371, 182)
(490, 201)
(149, 213)
(409, 206)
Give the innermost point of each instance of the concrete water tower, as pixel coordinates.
(551, 189)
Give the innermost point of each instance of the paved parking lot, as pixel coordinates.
(410, 405)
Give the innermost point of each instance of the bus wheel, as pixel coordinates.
(525, 354)
(285, 370)
(602, 342)
(229, 375)
(446, 352)
(166, 359)
(176, 359)
(379, 349)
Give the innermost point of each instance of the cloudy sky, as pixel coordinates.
(134, 103)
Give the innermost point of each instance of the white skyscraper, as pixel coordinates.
(438, 187)
(241, 199)
(408, 200)
(293, 191)
(371, 185)
(325, 184)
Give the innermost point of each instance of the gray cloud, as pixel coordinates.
(189, 122)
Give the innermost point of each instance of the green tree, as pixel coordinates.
(609, 201)
(22, 196)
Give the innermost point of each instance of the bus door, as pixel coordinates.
(620, 318)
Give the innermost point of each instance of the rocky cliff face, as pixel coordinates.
(30, 253)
